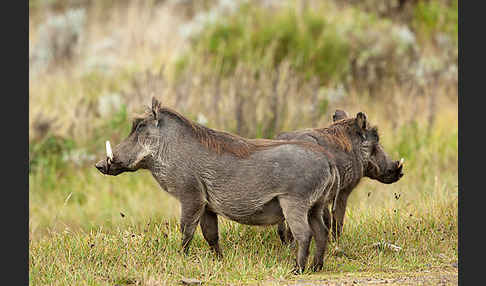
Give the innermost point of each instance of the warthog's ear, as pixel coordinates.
(339, 114)
(155, 108)
(361, 120)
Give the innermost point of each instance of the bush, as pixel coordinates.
(55, 152)
(48, 152)
(264, 39)
(349, 49)
(58, 40)
(435, 16)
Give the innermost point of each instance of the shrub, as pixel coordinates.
(431, 17)
(48, 152)
(264, 39)
(58, 39)
(349, 49)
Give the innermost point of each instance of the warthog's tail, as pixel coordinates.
(338, 187)
(325, 188)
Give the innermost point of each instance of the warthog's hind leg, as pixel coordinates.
(296, 216)
(286, 235)
(209, 228)
(321, 233)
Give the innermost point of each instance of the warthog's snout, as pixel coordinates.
(102, 166)
(394, 174)
(399, 169)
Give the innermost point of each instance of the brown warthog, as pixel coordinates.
(357, 153)
(250, 181)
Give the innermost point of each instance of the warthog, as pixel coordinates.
(357, 153)
(250, 181)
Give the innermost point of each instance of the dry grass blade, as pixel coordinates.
(385, 245)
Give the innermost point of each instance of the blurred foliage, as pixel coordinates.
(276, 53)
(58, 40)
(54, 153)
(431, 17)
(266, 38)
(61, 5)
(48, 152)
(349, 49)
(118, 123)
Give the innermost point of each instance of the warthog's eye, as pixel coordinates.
(135, 124)
(374, 150)
(141, 126)
(362, 135)
(374, 134)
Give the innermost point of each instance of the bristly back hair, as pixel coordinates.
(221, 141)
(338, 133)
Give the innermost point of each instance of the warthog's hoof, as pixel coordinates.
(216, 250)
(317, 267)
(184, 251)
(297, 270)
(293, 244)
(219, 255)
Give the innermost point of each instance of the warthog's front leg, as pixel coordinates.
(338, 216)
(209, 228)
(321, 233)
(190, 214)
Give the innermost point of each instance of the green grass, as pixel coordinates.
(149, 250)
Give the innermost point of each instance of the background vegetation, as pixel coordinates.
(250, 67)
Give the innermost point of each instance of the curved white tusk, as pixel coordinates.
(401, 162)
(109, 153)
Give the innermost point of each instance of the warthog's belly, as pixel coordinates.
(269, 214)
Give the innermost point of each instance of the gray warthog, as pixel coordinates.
(250, 181)
(357, 153)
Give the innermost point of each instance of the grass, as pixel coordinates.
(148, 250)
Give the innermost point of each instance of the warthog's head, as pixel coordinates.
(135, 151)
(377, 164)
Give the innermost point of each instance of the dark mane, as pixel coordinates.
(338, 133)
(225, 142)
